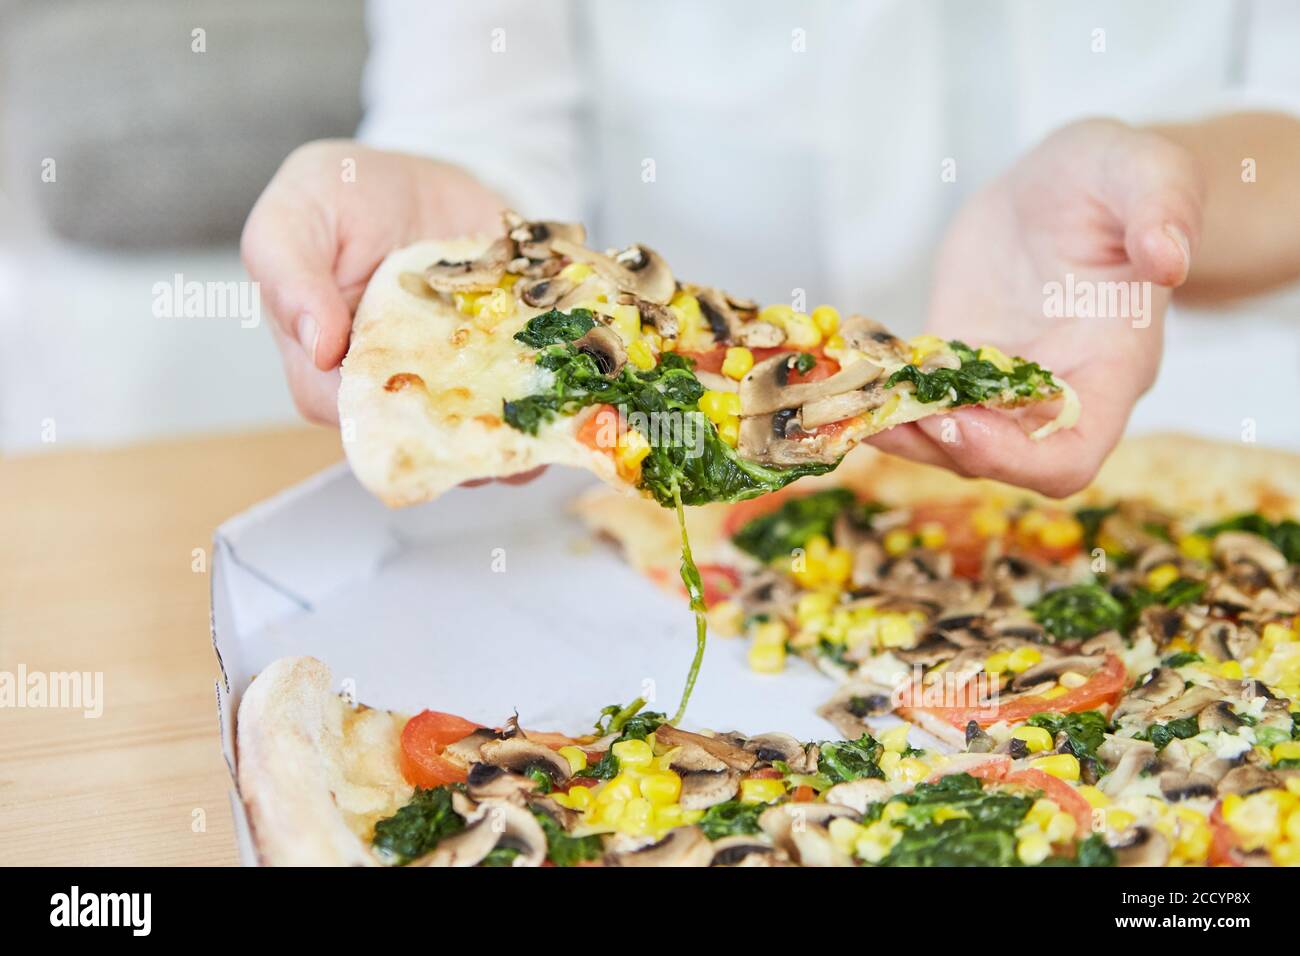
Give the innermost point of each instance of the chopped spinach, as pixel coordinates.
(983, 833)
(1091, 519)
(690, 456)
(977, 380)
(418, 827)
(562, 849)
(1181, 659)
(778, 533)
(804, 362)
(1078, 612)
(843, 760)
(731, 818)
(556, 327)
(1284, 535)
(1162, 734)
(1084, 731)
(634, 726)
(500, 856)
(541, 778)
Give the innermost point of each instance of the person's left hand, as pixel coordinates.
(1097, 201)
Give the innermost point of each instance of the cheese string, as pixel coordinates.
(695, 591)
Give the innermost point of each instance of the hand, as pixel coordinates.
(1101, 202)
(316, 235)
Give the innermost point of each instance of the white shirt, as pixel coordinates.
(767, 147)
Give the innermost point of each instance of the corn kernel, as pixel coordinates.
(896, 630)
(839, 566)
(718, 406)
(1060, 533)
(1072, 679)
(1119, 820)
(576, 798)
(895, 738)
(576, 272)
(889, 762)
(1060, 828)
(1274, 634)
(1053, 693)
(834, 345)
(845, 833)
(739, 360)
(632, 753)
(1231, 670)
(1033, 849)
(729, 431)
(1042, 811)
(762, 790)
(1030, 523)
(576, 757)
(874, 845)
(661, 788)
(767, 658)
(1161, 576)
(1062, 766)
(911, 769)
(1094, 796)
(637, 816)
(813, 604)
(999, 358)
(1037, 739)
(771, 632)
(997, 663)
(1286, 750)
(946, 812)
(989, 522)
(640, 355)
(932, 535)
(619, 789)
(726, 618)
(1023, 658)
(632, 450)
(1292, 826)
(1196, 546)
(923, 345)
(827, 319)
(1286, 854)
(897, 541)
(776, 314)
(801, 332)
(894, 810)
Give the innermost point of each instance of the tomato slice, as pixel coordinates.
(720, 582)
(824, 367)
(982, 766)
(1061, 793)
(599, 432)
(743, 512)
(423, 739)
(1224, 843)
(766, 773)
(803, 794)
(1104, 686)
(962, 541)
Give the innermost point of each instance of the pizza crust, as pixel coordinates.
(422, 389)
(314, 772)
(1188, 474)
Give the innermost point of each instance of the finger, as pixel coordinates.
(908, 441)
(1157, 192)
(292, 259)
(315, 393)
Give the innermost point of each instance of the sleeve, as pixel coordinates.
(490, 85)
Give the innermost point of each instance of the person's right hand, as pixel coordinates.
(328, 217)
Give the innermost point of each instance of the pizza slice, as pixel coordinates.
(485, 358)
(329, 782)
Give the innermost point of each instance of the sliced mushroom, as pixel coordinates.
(637, 270)
(684, 846)
(1052, 669)
(534, 238)
(495, 823)
(977, 741)
(520, 755)
(761, 441)
(854, 702)
(1141, 846)
(702, 789)
(1247, 779)
(606, 346)
(1127, 760)
(485, 782)
(466, 750)
(475, 275)
(859, 794)
(1218, 716)
(1162, 686)
(1106, 642)
(737, 758)
(800, 830)
(1214, 638)
(874, 340)
(836, 408)
(1231, 547)
(769, 748)
(545, 292)
(742, 851)
(764, 388)
(1184, 785)
(661, 317)
(728, 327)
(1189, 704)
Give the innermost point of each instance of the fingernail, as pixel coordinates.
(308, 336)
(1180, 237)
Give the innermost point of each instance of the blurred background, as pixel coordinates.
(160, 151)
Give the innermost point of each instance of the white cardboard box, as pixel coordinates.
(486, 601)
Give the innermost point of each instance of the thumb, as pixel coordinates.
(293, 264)
(1156, 190)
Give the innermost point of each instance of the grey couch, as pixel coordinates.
(156, 145)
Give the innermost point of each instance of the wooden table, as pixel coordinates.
(96, 554)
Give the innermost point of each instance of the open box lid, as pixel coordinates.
(486, 601)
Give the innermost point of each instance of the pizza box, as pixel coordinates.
(488, 601)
